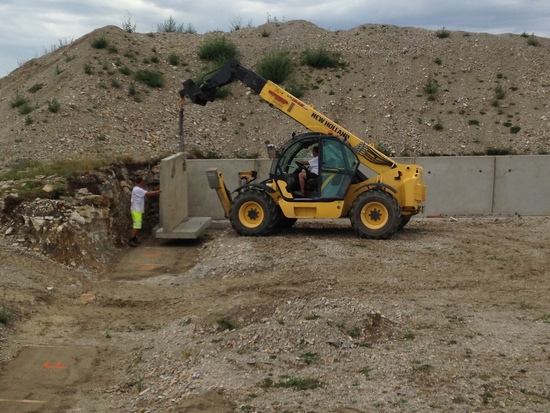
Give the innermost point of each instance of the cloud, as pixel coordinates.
(31, 28)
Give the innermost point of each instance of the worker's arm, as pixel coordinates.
(153, 193)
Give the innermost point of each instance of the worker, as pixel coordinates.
(137, 209)
(312, 173)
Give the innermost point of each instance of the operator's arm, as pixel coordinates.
(153, 193)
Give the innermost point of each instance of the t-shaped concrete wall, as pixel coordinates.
(456, 186)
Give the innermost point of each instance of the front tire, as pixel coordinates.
(375, 215)
(253, 213)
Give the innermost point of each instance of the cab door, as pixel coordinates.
(337, 168)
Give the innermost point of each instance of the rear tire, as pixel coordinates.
(375, 215)
(253, 213)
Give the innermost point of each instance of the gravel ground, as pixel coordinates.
(445, 316)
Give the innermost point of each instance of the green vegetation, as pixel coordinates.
(499, 151)
(515, 129)
(365, 371)
(36, 87)
(173, 59)
(29, 169)
(289, 382)
(217, 49)
(5, 315)
(431, 88)
(127, 25)
(225, 324)
(500, 93)
(409, 335)
(125, 70)
(321, 58)
(100, 43)
(473, 122)
(53, 105)
(533, 41)
(296, 89)
(442, 33)
(88, 69)
(22, 104)
(309, 358)
(171, 26)
(419, 366)
(276, 66)
(438, 126)
(151, 78)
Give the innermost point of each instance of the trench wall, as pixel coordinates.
(456, 186)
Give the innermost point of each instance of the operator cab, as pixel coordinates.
(338, 166)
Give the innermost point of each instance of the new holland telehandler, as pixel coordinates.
(377, 206)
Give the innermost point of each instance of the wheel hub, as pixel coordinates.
(253, 214)
(375, 215)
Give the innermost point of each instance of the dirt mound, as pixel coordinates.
(409, 91)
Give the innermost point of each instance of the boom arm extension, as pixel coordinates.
(276, 96)
(230, 72)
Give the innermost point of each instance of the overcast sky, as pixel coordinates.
(31, 28)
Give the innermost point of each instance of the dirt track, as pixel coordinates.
(444, 316)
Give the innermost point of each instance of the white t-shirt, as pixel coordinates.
(138, 199)
(314, 163)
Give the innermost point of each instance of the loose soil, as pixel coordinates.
(445, 316)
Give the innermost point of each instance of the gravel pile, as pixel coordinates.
(102, 111)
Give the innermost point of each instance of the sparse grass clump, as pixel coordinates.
(5, 315)
(289, 382)
(499, 151)
(28, 168)
(296, 89)
(18, 101)
(442, 33)
(431, 88)
(125, 71)
(151, 78)
(218, 50)
(53, 105)
(88, 69)
(533, 41)
(322, 58)
(309, 358)
(22, 103)
(276, 66)
(36, 87)
(224, 324)
(170, 26)
(500, 93)
(100, 43)
(174, 59)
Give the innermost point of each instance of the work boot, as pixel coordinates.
(132, 242)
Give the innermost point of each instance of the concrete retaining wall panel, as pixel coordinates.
(174, 195)
(458, 185)
(204, 201)
(478, 185)
(522, 185)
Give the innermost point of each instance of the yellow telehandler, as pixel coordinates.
(377, 206)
